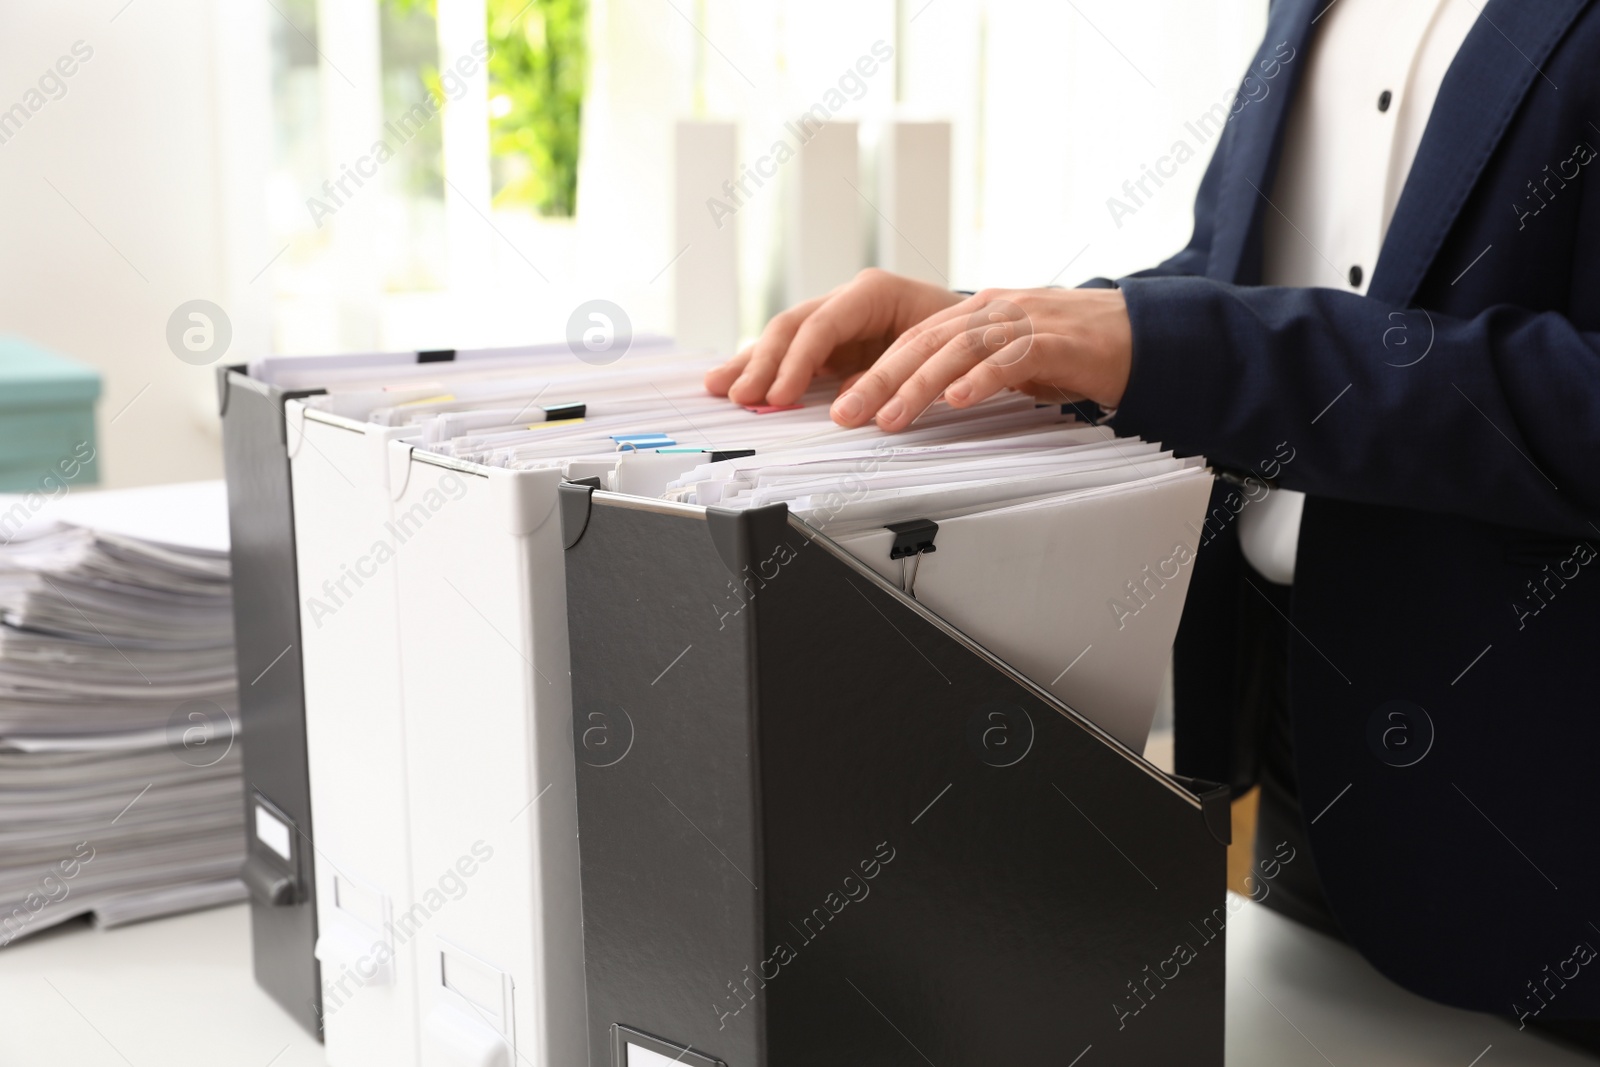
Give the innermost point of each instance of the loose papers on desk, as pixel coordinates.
(1062, 548)
(120, 791)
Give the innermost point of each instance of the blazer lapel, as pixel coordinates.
(1252, 159)
(1498, 62)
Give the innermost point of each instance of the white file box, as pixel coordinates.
(355, 739)
(487, 709)
(450, 659)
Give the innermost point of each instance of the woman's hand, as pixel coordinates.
(1059, 345)
(841, 333)
(901, 344)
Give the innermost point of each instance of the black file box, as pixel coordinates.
(818, 825)
(266, 626)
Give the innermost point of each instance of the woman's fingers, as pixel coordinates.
(935, 353)
(954, 362)
(841, 331)
(1080, 346)
(719, 380)
(752, 383)
(865, 399)
(1007, 368)
(967, 369)
(917, 333)
(862, 310)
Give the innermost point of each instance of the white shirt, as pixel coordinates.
(1372, 74)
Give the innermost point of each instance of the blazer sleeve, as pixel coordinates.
(1496, 417)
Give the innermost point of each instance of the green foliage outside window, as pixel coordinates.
(537, 72)
(536, 81)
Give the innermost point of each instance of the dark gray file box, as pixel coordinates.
(266, 626)
(818, 825)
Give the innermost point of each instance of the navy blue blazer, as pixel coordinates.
(1444, 674)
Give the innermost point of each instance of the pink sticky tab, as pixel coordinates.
(768, 409)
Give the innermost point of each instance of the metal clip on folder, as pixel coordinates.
(912, 540)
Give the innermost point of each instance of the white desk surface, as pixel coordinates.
(178, 992)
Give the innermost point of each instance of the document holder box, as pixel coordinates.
(430, 677)
(438, 719)
(818, 825)
(282, 848)
(266, 627)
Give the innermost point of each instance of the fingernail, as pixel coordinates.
(958, 391)
(739, 382)
(892, 411)
(848, 407)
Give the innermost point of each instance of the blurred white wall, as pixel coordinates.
(133, 189)
(1053, 107)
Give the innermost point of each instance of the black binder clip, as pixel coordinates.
(558, 412)
(912, 540)
(1087, 411)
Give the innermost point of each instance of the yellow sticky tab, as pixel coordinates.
(547, 425)
(441, 398)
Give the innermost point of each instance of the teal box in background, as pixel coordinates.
(47, 436)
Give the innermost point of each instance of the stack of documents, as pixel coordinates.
(120, 790)
(1062, 548)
